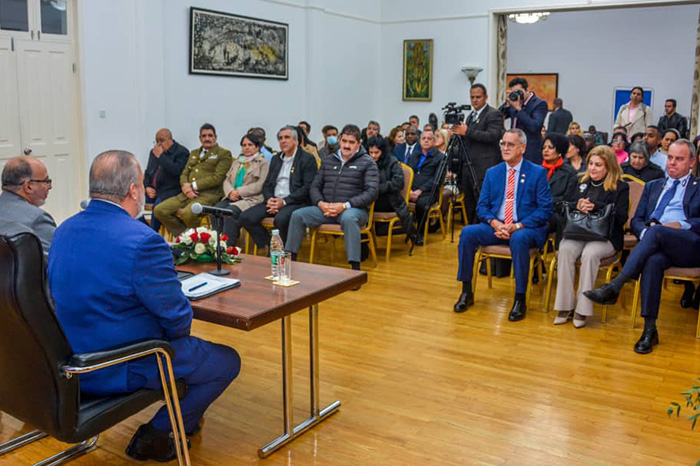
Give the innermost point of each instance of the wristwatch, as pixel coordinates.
(518, 226)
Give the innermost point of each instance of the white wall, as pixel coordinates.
(134, 65)
(596, 51)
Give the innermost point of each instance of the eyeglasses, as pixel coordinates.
(47, 181)
(508, 145)
(618, 141)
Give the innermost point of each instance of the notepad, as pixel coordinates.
(203, 285)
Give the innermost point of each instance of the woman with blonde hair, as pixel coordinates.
(442, 137)
(600, 186)
(574, 128)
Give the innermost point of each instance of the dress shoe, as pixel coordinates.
(563, 317)
(646, 342)
(148, 443)
(603, 295)
(687, 300)
(419, 240)
(579, 320)
(518, 311)
(465, 300)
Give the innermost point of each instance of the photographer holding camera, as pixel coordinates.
(526, 112)
(480, 135)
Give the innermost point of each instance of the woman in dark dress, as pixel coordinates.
(391, 182)
(639, 165)
(576, 155)
(561, 176)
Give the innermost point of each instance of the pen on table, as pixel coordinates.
(197, 287)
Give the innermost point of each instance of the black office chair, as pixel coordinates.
(37, 364)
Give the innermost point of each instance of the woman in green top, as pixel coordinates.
(243, 185)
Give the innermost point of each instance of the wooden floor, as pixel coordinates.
(421, 385)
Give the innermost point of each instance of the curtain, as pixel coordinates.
(502, 42)
(694, 103)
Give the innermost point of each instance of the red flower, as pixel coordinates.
(195, 237)
(205, 237)
(229, 250)
(224, 237)
(177, 240)
(235, 251)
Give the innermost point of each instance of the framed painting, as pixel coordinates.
(544, 85)
(418, 69)
(224, 44)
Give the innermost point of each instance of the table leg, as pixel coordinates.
(317, 415)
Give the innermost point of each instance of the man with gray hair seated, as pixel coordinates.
(114, 283)
(25, 187)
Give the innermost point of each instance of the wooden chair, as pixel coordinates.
(636, 188)
(390, 217)
(334, 230)
(502, 251)
(691, 274)
(435, 211)
(457, 202)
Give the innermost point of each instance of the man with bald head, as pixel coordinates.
(25, 187)
(166, 161)
(115, 276)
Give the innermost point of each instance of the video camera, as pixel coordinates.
(454, 115)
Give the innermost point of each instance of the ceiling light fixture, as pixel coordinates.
(528, 18)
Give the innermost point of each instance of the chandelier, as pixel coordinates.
(528, 18)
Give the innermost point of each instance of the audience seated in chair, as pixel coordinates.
(561, 176)
(391, 184)
(639, 165)
(425, 165)
(330, 136)
(667, 223)
(243, 185)
(403, 151)
(345, 187)
(514, 206)
(201, 182)
(286, 188)
(130, 296)
(600, 186)
(166, 161)
(576, 153)
(25, 187)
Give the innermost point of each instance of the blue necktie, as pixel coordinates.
(665, 201)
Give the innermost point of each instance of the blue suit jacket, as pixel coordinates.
(400, 151)
(650, 197)
(114, 282)
(533, 201)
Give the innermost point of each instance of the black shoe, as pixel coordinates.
(518, 311)
(465, 300)
(419, 240)
(646, 342)
(148, 443)
(688, 299)
(603, 295)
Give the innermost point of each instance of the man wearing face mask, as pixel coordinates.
(330, 135)
(121, 284)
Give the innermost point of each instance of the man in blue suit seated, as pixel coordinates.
(667, 223)
(114, 282)
(514, 207)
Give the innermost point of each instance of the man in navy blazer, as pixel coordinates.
(403, 152)
(519, 221)
(527, 113)
(114, 282)
(667, 223)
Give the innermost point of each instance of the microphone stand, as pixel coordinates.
(219, 220)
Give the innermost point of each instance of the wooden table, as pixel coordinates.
(258, 302)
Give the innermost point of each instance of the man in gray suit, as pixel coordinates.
(559, 119)
(25, 187)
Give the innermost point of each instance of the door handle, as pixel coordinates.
(27, 151)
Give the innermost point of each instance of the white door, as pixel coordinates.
(47, 115)
(10, 142)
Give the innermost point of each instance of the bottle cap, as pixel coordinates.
(275, 232)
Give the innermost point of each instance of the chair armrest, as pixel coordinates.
(88, 362)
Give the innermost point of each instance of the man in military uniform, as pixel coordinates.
(202, 181)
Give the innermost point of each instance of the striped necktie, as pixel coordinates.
(510, 197)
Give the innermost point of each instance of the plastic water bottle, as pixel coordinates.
(276, 248)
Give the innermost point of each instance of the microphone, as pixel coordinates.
(84, 203)
(198, 208)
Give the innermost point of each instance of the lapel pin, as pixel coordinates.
(522, 181)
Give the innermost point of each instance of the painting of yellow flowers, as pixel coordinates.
(418, 69)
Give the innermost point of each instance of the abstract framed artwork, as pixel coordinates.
(225, 44)
(544, 85)
(418, 69)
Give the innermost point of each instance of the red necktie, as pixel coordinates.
(510, 197)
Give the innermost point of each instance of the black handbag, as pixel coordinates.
(596, 226)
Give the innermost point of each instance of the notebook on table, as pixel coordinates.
(203, 285)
